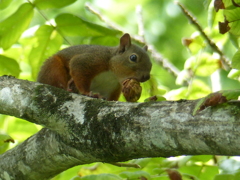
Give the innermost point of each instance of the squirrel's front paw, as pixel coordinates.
(95, 95)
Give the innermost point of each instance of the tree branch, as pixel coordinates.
(82, 130)
(141, 31)
(214, 47)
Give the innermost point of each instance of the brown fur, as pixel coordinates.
(86, 68)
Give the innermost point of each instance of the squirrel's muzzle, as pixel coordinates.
(144, 78)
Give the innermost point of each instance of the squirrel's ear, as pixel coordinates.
(145, 47)
(125, 42)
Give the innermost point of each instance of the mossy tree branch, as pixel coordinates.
(81, 130)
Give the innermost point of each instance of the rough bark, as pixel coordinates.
(81, 130)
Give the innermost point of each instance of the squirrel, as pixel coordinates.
(94, 68)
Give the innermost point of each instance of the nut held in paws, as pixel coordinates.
(131, 90)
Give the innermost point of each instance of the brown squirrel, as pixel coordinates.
(95, 68)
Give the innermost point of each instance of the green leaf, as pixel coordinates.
(4, 3)
(201, 158)
(20, 129)
(224, 177)
(234, 40)
(105, 40)
(196, 44)
(208, 172)
(216, 98)
(9, 66)
(237, 176)
(48, 42)
(198, 106)
(236, 60)
(194, 170)
(211, 16)
(234, 74)
(231, 94)
(135, 175)
(12, 27)
(207, 65)
(71, 25)
(233, 17)
(5, 139)
(49, 4)
(183, 76)
(101, 177)
(198, 89)
(203, 65)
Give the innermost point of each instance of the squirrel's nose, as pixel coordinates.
(145, 78)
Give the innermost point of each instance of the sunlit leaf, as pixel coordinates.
(9, 66)
(237, 176)
(224, 177)
(235, 27)
(135, 175)
(211, 16)
(12, 27)
(4, 4)
(20, 130)
(198, 89)
(234, 74)
(206, 65)
(228, 4)
(105, 40)
(236, 60)
(233, 19)
(71, 25)
(101, 177)
(195, 43)
(202, 65)
(208, 172)
(49, 4)
(48, 42)
(5, 139)
(194, 170)
(235, 3)
(201, 158)
(216, 98)
(234, 40)
(175, 94)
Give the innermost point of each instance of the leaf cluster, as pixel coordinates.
(204, 167)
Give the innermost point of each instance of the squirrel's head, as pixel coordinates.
(131, 61)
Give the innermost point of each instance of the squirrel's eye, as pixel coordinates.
(133, 58)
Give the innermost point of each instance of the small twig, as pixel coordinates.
(141, 31)
(125, 164)
(157, 56)
(47, 20)
(101, 17)
(214, 47)
(163, 62)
